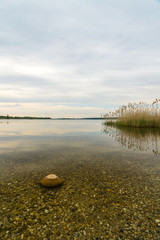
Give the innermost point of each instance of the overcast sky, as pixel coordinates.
(77, 58)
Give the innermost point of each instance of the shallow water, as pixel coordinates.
(111, 188)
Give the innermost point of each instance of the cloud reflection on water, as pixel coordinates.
(32, 135)
(47, 127)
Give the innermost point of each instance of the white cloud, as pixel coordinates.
(83, 55)
(38, 109)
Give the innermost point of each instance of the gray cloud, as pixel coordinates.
(79, 53)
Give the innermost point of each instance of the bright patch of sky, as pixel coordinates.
(78, 58)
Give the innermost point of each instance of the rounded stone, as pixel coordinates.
(51, 180)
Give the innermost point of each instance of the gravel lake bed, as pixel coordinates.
(109, 191)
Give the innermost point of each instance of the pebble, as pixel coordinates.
(51, 180)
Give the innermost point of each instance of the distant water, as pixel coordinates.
(109, 169)
(38, 141)
(87, 135)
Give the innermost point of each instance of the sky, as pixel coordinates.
(77, 58)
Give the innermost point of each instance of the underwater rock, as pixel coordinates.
(51, 180)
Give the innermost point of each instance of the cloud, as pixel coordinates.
(40, 109)
(78, 54)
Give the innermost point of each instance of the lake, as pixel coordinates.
(111, 178)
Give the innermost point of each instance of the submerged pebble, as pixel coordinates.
(51, 180)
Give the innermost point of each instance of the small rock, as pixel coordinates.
(51, 180)
(157, 220)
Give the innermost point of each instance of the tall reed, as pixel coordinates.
(137, 115)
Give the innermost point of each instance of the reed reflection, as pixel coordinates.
(146, 140)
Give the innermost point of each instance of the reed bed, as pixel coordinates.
(138, 115)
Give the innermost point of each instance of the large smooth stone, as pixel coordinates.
(51, 180)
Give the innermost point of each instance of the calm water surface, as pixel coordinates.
(111, 188)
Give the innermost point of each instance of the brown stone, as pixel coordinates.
(51, 180)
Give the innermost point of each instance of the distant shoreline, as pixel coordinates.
(49, 118)
(11, 117)
(91, 118)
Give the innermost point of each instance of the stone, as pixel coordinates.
(51, 180)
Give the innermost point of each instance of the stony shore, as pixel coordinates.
(104, 196)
